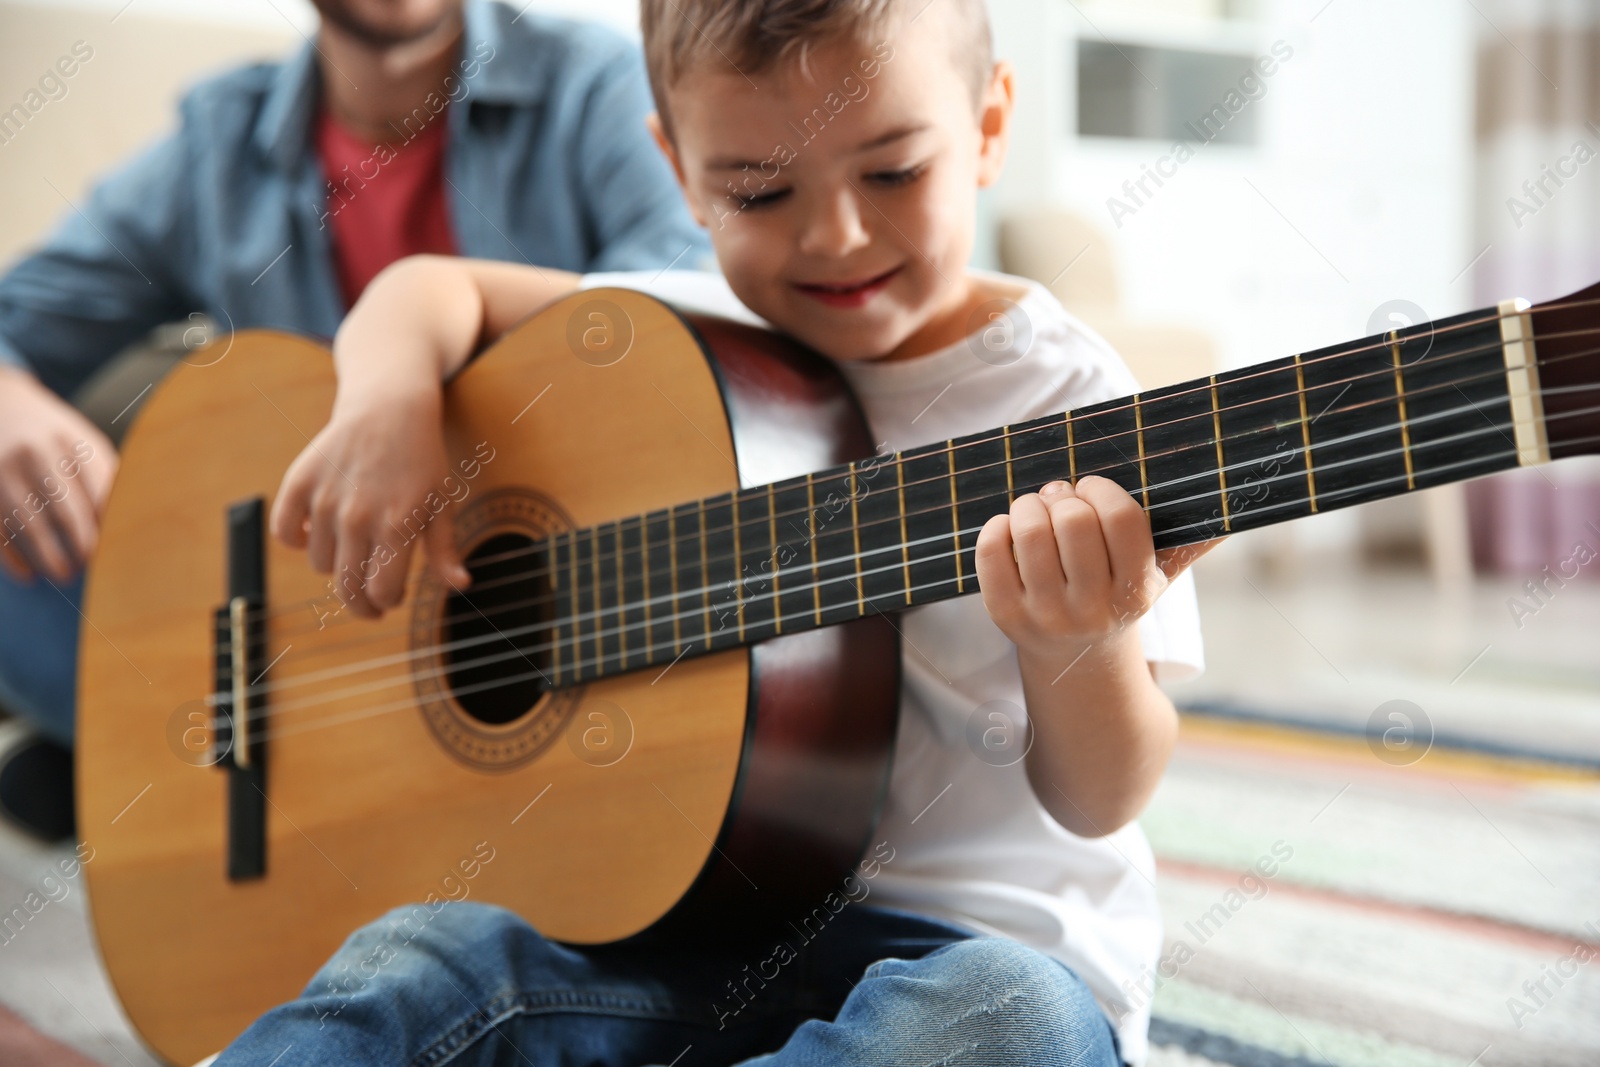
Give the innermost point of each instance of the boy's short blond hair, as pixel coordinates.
(750, 36)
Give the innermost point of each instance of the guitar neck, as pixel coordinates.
(1435, 403)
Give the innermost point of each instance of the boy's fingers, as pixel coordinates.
(999, 579)
(1081, 548)
(444, 559)
(387, 586)
(1038, 552)
(292, 508)
(349, 578)
(322, 539)
(1126, 529)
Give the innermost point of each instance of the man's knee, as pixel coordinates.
(996, 997)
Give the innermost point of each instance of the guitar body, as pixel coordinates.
(612, 744)
(733, 785)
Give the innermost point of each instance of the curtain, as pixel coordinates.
(1538, 232)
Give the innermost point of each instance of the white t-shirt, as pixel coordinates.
(972, 843)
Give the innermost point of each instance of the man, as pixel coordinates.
(406, 126)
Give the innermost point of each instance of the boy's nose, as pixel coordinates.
(834, 225)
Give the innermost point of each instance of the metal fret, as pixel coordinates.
(772, 535)
(1400, 396)
(599, 615)
(1072, 451)
(1305, 431)
(905, 540)
(1138, 433)
(955, 521)
(855, 530)
(705, 577)
(811, 535)
(644, 562)
(1222, 466)
(577, 621)
(672, 565)
(555, 588)
(738, 564)
(1011, 490)
(622, 608)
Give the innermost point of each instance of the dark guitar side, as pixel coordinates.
(824, 704)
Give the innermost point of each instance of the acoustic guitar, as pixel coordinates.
(668, 701)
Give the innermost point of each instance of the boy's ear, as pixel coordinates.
(994, 122)
(658, 130)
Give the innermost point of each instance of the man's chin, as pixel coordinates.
(378, 34)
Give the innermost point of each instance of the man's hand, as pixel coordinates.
(56, 469)
(357, 499)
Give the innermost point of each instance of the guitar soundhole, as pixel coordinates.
(496, 666)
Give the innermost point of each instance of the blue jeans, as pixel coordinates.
(472, 984)
(39, 652)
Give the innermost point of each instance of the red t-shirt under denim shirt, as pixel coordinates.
(385, 201)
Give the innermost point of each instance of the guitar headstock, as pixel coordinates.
(1567, 349)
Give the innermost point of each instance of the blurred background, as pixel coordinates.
(1405, 696)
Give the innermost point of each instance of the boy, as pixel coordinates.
(832, 148)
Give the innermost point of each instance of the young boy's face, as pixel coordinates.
(850, 217)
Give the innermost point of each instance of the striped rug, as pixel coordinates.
(1445, 912)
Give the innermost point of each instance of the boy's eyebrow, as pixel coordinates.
(899, 133)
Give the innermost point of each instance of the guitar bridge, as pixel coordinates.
(240, 641)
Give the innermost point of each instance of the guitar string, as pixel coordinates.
(665, 574)
(1142, 400)
(283, 727)
(608, 559)
(725, 587)
(1069, 417)
(729, 584)
(817, 583)
(276, 730)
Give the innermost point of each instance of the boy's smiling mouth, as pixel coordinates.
(847, 294)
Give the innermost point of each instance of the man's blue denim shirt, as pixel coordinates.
(548, 161)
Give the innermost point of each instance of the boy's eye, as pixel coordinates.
(892, 178)
(760, 200)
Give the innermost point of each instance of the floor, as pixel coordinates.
(1429, 878)
(1434, 895)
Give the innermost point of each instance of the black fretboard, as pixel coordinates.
(1248, 448)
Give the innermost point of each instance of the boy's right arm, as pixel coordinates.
(382, 451)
